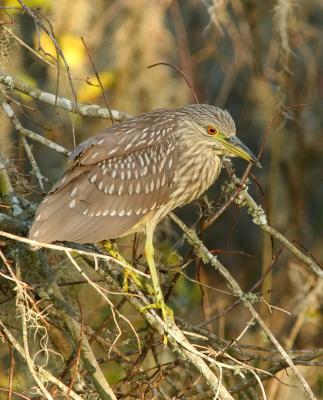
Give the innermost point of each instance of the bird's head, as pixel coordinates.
(216, 128)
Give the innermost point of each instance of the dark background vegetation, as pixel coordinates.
(255, 58)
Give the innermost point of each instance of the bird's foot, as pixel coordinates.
(140, 283)
(130, 273)
(128, 269)
(167, 313)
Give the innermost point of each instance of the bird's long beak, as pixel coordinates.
(237, 148)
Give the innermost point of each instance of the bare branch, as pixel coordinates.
(26, 132)
(259, 218)
(86, 110)
(207, 257)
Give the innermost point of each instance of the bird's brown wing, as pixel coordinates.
(115, 180)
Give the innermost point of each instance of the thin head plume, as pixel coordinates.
(182, 74)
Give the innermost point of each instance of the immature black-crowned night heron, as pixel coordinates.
(129, 177)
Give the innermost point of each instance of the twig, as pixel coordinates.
(113, 311)
(293, 249)
(26, 132)
(189, 84)
(16, 394)
(87, 355)
(98, 79)
(259, 218)
(22, 43)
(238, 301)
(33, 163)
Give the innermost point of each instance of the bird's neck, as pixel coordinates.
(198, 167)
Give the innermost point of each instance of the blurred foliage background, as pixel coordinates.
(253, 58)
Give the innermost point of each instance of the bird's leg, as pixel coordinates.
(167, 313)
(128, 270)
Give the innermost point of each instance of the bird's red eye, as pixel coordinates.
(211, 130)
